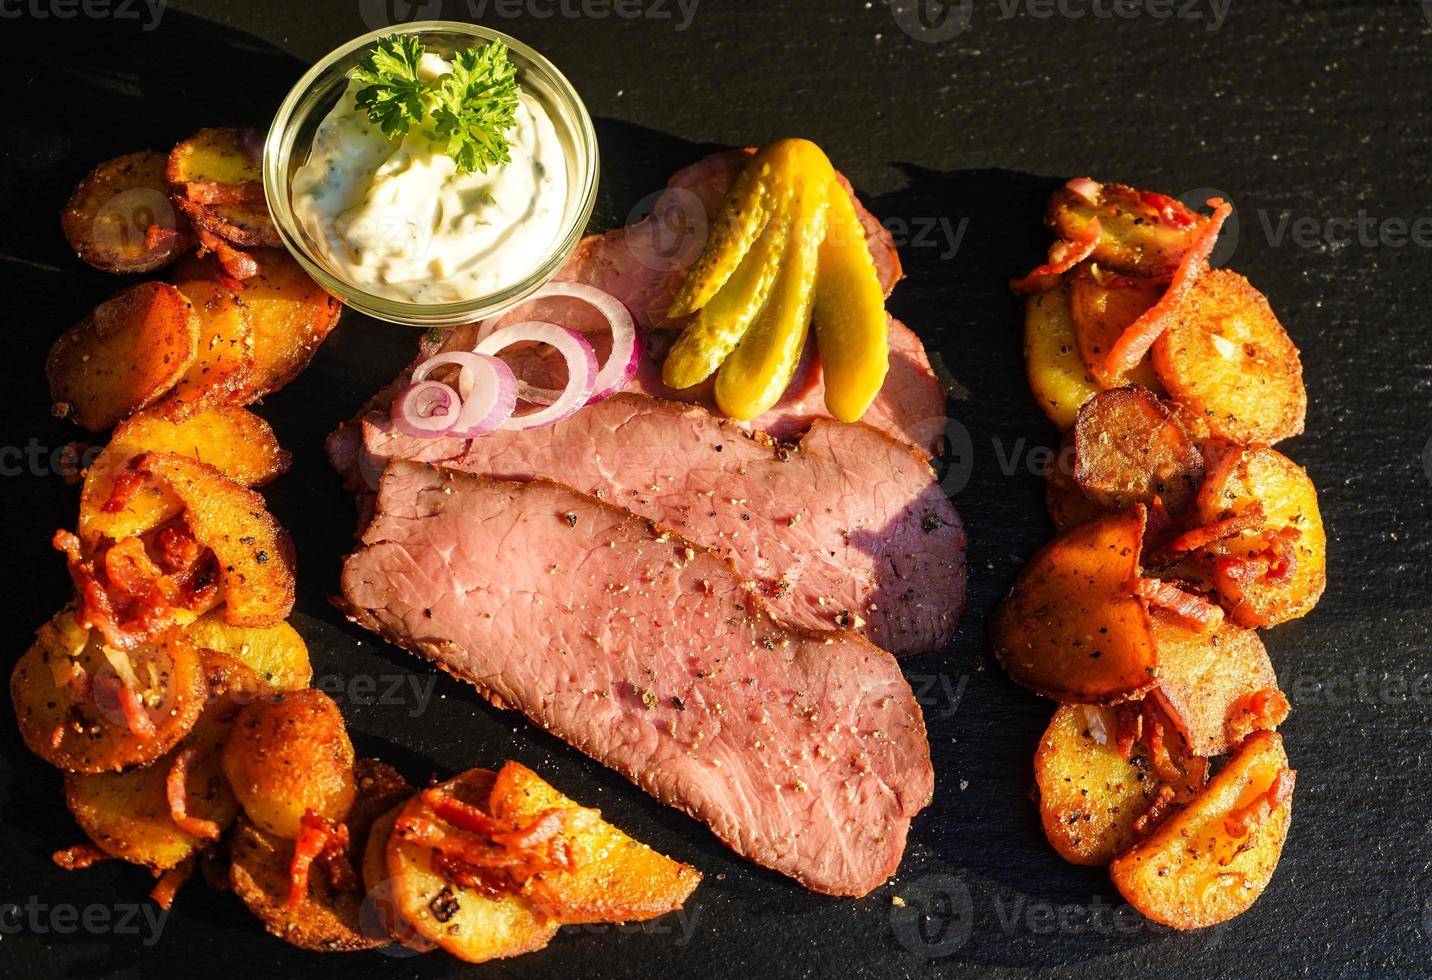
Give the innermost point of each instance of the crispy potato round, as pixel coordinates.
(224, 155)
(380, 911)
(1290, 504)
(1140, 233)
(1209, 684)
(289, 755)
(108, 217)
(254, 553)
(292, 315)
(1057, 375)
(277, 654)
(1194, 871)
(1129, 449)
(1103, 305)
(617, 879)
(1226, 357)
(225, 357)
(463, 921)
(1071, 628)
(232, 439)
(77, 731)
(1066, 503)
(124, 356)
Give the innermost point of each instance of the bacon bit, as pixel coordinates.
(127, 615)
(160, 237)
(1157, 812)
(1063, 256)
(1249, 817)
(1275, 563)
(318, 838)
(1159, 520)
(487, 882)
(126, 485)
(135, 716)
(216, 192)
(463, 816)
(1284, 561)
(238, 264)
(79, 857)
(170, 881)
(1205, 616)
(1261, 711)
(1135, 341)
(1129, 729)
(1086, 187)
(176, 786)
(1170, 210)
(1250, 518)
(468, 836)
(1154, 733)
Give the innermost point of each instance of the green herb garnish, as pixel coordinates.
(472, 107)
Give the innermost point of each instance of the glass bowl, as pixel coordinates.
(290, 138)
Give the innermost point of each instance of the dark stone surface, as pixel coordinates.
(1318, 111)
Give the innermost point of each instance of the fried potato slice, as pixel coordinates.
(617, 879)
(66, 719)
(233, 440)
(224, 156)
(254, 553)
(1245, 573)
(1104, 305)
(1226, 357)
(465, 922)
(1066, 503)
(1071, 628)
(1093, 801)
(1057, 376)
(1217, 689)
(277, 654)
(1141, 233)
(225, 357)
(380, 911)
(124, 356)
(289, 755)
(1130, 449)
(108, 218)
(1210, 861)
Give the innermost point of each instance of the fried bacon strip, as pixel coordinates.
(1158, 811)
(1249, 817)
(467, 838)
(1261, 711)
(170, 882)
(1203, 615)
(319, 839)
(79, 857)
(238, 264)
(1250, 518)
(1135, 342)
(126, 485)
(124, 601)
(176, 788)
(1063, 256)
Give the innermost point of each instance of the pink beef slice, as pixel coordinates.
(847, 529)
(643, 265)
(804, 752)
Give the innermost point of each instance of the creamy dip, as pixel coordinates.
(396, 218)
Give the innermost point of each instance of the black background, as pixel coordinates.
(1316, 111)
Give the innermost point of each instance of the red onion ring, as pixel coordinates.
(426, 410)
(485, 385)
(581, 367)
(621, 364)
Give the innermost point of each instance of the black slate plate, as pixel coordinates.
(954, 122)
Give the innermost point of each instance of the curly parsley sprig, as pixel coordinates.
(472, 108)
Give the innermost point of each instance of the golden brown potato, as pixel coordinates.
(124, 356)
(254, 554)
(225, 357)
(287, 756)
(617, 879)
(1057, 376)
(1217, 688)
(1095, 803)
(462, 920)
(1277, 573)
(1141, 233)
(277, 654)
(1130, 449)
(1210, 861)
(108, 218)
(218, 183)
(233, 440)
(70, 695)
(380, 911)
(1227, 358)
(1103, 305)
(1072, 628)
(292, 316)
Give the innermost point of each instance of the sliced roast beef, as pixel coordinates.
(847, 529)
(805, 752)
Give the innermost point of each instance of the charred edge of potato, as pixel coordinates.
(108, 217)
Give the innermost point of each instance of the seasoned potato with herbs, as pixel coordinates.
(1217, 688)
(287, 756)
(83, 707)
(1103, 305)
(617, 879)
(218, 183)
(1142, 233)
(1278, 571)
(1072, 627)
(1130, 449)
(124, 356)
(120, 217)
(1227, 358)
(277, 654)
(1057, 375)
(231, 439)
(1210, 861)
(254, 554)
(225, 357)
